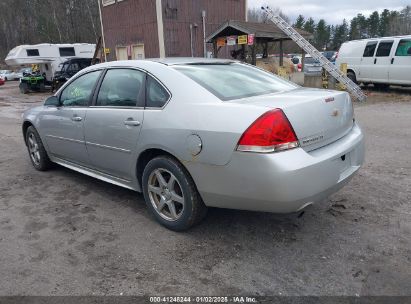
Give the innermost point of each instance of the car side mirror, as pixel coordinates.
(52, 101)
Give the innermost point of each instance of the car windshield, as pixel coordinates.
(230, 81)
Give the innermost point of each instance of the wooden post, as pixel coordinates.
(265, 50)
(215, 51)
(281, 53)
(243, 55)
(302, 60)
(253, 55)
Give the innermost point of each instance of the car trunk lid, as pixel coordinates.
(318, 117)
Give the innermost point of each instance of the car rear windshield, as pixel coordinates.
(230, 81)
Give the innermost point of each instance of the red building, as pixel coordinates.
(137, 29)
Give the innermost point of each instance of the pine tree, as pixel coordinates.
(383, 23)
(322, 35)
(340, 35)
(354, 29)
(299, 23)
(373, 23)
(309, 25)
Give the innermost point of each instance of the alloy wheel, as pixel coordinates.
(34, 149)
(166, 194)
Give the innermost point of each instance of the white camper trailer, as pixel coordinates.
(48, 56)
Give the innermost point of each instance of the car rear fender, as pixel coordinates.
(217, 127)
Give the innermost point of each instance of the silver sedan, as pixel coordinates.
(198, 133)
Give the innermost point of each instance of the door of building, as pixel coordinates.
(138, 51)
(121, 52)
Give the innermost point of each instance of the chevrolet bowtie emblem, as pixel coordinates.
(335, 113)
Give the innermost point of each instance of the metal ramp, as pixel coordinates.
(354, 89)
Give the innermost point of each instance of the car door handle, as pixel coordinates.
(131, 122)
(76, 118)
(392, 60)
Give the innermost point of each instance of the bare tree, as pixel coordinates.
(47, 21)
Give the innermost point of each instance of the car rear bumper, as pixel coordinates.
(280, 182)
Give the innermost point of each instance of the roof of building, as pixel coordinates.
(261, 30)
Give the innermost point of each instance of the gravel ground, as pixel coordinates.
(63, 233)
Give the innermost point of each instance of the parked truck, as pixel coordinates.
(48, 57)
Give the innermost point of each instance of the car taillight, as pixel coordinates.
(271, 132)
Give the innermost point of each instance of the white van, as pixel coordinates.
(381, 61)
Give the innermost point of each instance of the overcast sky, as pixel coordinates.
(332, 11)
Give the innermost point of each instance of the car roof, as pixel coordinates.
(189, 60)
(380, 38)
(151, 63)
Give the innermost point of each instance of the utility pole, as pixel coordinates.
(203, 15)
(102, 31)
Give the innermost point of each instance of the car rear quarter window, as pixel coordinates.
(121, 88)
(79, 91)
(384, 49)
(370, 49)
(229, 81)
(404, 48)
(156, 95)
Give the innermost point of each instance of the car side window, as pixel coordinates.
(384, 48)
(156, 95)
(121, 88)
(370, 49)
(78, 92)
(403, 48)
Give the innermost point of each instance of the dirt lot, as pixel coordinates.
(62, 233)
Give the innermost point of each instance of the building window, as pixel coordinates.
(108, 2)
(170, 12)
(33, 52)
(67, 51)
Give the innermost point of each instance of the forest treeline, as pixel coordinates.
(71, 21)
(330, 37)
(47, 21)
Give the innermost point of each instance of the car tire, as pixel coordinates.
(351, 75)
(37, 152)
(173, 198)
